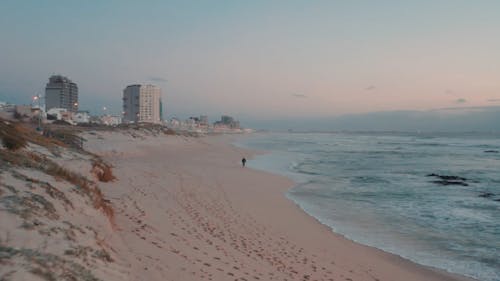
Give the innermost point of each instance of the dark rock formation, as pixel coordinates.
(448, 180)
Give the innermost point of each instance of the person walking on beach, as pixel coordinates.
(243, 161)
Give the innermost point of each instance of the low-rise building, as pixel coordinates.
(81, 117)
(24, 111)
(111, 120)
(59, 114)
(174, 122)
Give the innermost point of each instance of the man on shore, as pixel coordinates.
(243, 161)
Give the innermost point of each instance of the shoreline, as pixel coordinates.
(396, 256)
(187, 210)
(392, 256)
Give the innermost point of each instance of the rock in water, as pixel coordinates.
(449, 180)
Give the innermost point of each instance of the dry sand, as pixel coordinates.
(187, 210)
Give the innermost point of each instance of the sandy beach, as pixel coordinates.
(186, 209)
(179, 140)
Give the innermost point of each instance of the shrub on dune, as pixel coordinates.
(102, 171)
(11, 137)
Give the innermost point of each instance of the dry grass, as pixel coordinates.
(88, 188)
(11, 138)
(51, 190)
(45, 266)
(102, 171)
(66, 135)
(13, 143)
(170, 132)
(83, 185)
(20, 133)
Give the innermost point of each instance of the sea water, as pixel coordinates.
(375, 189)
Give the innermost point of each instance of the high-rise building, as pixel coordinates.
(61, 92)
(142, 103)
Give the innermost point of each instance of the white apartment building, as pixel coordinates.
(142, 103)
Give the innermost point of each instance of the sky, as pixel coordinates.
(258, 60)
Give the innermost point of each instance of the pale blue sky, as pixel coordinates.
(258, 59)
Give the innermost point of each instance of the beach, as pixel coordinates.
(250, 140)
(186, 209)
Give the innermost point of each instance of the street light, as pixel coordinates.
(37, 99)
(104, 108)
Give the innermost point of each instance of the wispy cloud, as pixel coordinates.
(494, 100)
(299, 96)
(370, 88)
(158, 79)
(460, 101)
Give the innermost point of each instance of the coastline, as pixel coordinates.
(141, 205)
(391, 257)
(225, 222)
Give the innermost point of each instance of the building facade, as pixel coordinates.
(61, 92)
(142, 103)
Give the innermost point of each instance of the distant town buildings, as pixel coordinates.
(227, 122)
(142, 103)
(200, 124)
(61, 92)
(110, 120)
(203, 121)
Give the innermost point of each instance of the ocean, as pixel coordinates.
(431, 198)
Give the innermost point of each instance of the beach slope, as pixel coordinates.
(187, 210)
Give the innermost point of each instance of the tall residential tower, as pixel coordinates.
(142, 103)
(61, 92)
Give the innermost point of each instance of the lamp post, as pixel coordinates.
(37, 99)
